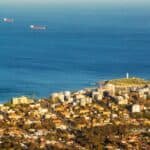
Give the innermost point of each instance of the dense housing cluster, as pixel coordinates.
(114, 115)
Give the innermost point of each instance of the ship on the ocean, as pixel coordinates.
(37, 27)
(8, 20)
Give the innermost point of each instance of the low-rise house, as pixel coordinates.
(97, 95)
(114, 107)
(34, 113)
(1, 105)
(29, 122)
(70, 99)
(106, 121)
(95, 122)
(10, 111)
(60, 108)
(21, 100)
(48, 116)
(80, 126)
(54, 116)
(89, 100)
(1, 117)
(144, 92)
(79, 96)
(66, 114)
(14, 116)
(83, 102)
(107, 113)
(126, 116)
(136, 108)
(110, 88)
(67, 95)
(114, 115)
(54, 96)
(43, 111)
(122, 100)
(58, 96)
(84, 111)
(146, 122)
(98, 107)
(62, 127)
(41, 132)
(37, 105)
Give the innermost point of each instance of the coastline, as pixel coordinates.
(90, 85)
(80, 120)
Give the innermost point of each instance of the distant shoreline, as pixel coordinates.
(124, 82)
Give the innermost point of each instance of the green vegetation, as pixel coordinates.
(141, 115)
(129, 81)
(9, 104)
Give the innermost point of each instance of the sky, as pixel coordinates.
(27, 5)
(133, 2)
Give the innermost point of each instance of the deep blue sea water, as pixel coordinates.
(81, 45)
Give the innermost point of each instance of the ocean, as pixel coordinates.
(82, 45)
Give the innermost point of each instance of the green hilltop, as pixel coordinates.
(129, 82)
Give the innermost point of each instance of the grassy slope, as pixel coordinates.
(129, 82)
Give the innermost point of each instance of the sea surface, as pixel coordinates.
(81, 46)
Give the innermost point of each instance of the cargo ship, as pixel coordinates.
(37, 27)
(8, 20)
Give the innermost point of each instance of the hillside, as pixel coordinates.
(129, 82)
